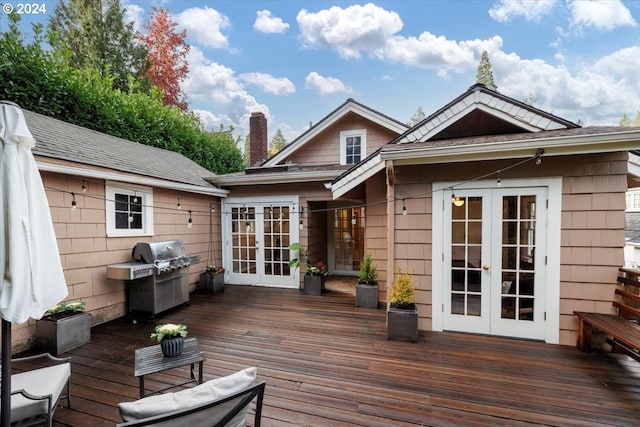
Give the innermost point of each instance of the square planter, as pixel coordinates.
(402, 324)
(366, 295)
(65, 333)
(212, 282)
(313, 285)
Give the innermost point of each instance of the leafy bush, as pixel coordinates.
(402, 292)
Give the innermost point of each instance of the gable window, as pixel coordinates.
(129, 210)
(353, 146)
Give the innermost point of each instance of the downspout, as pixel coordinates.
(391, 227)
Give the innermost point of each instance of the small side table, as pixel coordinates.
(150, 360)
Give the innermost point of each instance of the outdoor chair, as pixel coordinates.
(219, 402)
(35, 394)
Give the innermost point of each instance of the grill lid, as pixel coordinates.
(153, 252)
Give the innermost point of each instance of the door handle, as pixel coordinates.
(485, 267)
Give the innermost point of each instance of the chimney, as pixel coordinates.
(257, 139)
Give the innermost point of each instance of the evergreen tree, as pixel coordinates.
(417, 117)
(277, 143)
(485, 75)
(167, 56)
(625, 121)
(95, 34)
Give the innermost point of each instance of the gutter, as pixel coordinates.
(561, 145)
(139, 180)
(275, 178)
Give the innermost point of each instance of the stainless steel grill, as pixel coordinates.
(158, 277)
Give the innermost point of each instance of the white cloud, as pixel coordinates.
(594, 94)
(265, 23)
(437, 52)
(133, 13)
(349, 30)
(325, 85)
(205, 26)
(603, 15)
(216, 85)
(373, 30)
(505, 10)
(269, 84)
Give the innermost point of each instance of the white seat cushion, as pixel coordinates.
(184, 399)
(39, 382)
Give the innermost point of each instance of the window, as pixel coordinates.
(633, 200)
(129, 210)
(353, 146)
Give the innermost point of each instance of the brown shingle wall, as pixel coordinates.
(325, 149)
(376, 230)
(85, 250)
(592, 226)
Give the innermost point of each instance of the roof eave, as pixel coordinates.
(557, 146)
(130, 179)
(357, 176)
(275, 178)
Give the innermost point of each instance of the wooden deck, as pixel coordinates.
(328, 363)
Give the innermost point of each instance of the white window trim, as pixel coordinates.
(362, 133)
(110, 189)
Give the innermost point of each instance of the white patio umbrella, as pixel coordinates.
(31, 277)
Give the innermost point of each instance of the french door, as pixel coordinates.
(257, 238)
(494, 261)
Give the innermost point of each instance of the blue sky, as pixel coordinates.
(296, 61)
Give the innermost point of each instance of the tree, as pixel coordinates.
(277, 143)
(485, 75)
(94, 33)
(44, 82)
(417, 117)
(167, 56)
(625, 121)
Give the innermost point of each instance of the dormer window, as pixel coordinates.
(353, 146)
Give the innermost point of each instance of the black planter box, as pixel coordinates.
(211, 282)
(402, 324)
(313, 285)
(367, 295)
(64, 334)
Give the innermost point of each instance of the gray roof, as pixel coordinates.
(65, 141)
(632, 231)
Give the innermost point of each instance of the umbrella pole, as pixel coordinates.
(5, 398)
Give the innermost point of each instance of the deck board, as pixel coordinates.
(329, 363)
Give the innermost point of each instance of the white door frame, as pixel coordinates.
(260, 204)
(442, 194)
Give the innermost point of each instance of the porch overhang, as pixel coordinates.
(431, 153)
(357, 176)
(276, 178)
(516, 148)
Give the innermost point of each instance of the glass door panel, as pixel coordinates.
(243, 237)
(348, 239)
(276, 241)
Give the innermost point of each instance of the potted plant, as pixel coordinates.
(367, 285)
(171, 338)
(315, 274)
(402, 315)
(212, 279)
(64, 327)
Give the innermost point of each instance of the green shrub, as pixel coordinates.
(402, 292)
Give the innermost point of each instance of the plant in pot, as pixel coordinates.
(64, 327)
(171, 338)
(315, 274)
(367, 285)
(212, 279)
(402, 315)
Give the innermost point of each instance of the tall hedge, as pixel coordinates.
(43, 81)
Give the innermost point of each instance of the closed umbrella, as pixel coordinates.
(31, 276)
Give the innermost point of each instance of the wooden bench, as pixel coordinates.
(622, 329)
